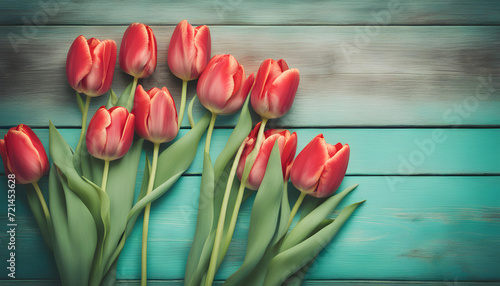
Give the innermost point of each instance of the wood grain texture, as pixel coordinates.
(401, 76)
(374, 151)
(430, 228)
(259, 12)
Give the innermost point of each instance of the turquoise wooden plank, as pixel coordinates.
(399, 76)
(375, 151)
(261, 12)
(429, 228)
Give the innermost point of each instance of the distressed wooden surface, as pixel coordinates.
(256, 12)
(380, 79)
(428, 227)
(403, 76)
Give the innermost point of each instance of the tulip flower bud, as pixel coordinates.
(155, 115)
(90, 65)
(138, 51)
(189, 50)
(287, 144)
(274, 89)
(23, 155)
(110, 133)
(222, 87)
(320, 167)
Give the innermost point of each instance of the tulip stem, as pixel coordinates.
(183, 103)
(105, 175)
(190, 112)
(296, 208)
(145, 225)
(42, 202)
(84, 122)
(220, 225)
(209, 132)
(134, 87)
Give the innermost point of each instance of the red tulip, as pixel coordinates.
(275, 88)
(189, 50)
(287, 144)
(90, 65)
(23, 155)
(222, 87)
(110, 133)
(320, 167)
(155, 114)
(138, 51)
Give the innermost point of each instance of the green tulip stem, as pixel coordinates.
(190, 112)
(220, 225)
(209, 132)
(296, 208)
(84, 122)
(134, 87)
(183, 103)
(42, 202)
(145, 226)
(105, 175)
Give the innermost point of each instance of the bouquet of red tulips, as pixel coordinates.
(92, 187)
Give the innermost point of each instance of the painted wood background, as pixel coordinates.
(412, 86)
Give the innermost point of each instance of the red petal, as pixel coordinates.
(134, 50)
(114, 131)
(181, 50)
(23, 157)
(5, 157)
(162, 121)
(283, 65)
(259, 167)
(333, 173)
(308, 165)
(258, 104)
(127, 137)
(108, 65)
(282, 93)
(151, 65)
(203, 45)
(37, 144)
(142, 103)
(288, 154)
(216, 84)
(78, 62)
(96, 132)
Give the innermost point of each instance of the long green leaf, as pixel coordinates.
(120, 190)
(240, 132)
(204, 220)
(136, 211)
(75, 233)
(284, 216)
(304, 227)
(291, 260)
(264, 217)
